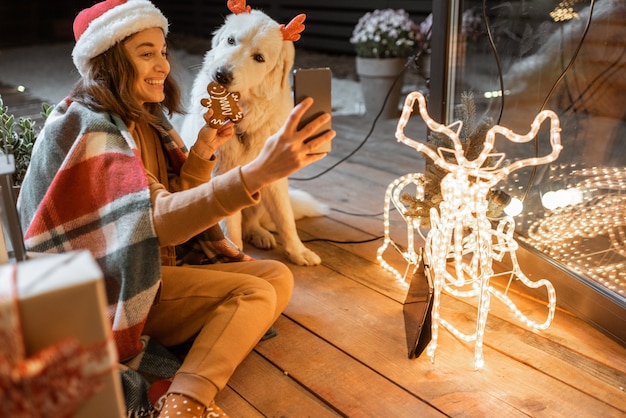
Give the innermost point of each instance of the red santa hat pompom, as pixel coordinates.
(104, 24)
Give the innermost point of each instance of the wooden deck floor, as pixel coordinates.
(341, 347)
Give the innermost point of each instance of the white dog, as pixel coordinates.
(253, 55)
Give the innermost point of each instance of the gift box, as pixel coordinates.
(62, 342)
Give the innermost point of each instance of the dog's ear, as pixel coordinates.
(218, 34)
(280, 73)
(286, 61)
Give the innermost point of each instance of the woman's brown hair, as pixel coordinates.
(108, 86)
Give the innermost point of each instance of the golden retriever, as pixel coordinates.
(249, 55)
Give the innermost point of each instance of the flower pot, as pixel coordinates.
(378, 77)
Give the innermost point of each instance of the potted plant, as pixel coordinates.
(17, 137)
(383, 39)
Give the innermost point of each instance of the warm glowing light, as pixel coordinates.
(586, 229)
(561, 198)
(514, 208)
(475, 167)
(495, 94)
(564, 11)
(461, 244)
(549, 200)
(392, 195)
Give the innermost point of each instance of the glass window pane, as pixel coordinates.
(518, 58)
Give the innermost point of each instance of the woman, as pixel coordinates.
(109, 174)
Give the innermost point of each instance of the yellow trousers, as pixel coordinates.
(227, 308)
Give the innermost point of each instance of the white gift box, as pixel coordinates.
(61, 296)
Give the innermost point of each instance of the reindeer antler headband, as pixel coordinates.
(291, 31)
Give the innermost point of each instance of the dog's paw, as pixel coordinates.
(304, 257)
(261, 238)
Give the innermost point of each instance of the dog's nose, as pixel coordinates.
(223, 76)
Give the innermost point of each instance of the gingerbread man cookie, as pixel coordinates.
(224, 104)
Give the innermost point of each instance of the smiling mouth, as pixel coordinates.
(155, 82)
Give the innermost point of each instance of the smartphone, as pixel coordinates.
(315, 83)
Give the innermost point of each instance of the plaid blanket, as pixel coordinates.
(86, 189)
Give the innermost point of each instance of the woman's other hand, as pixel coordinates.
(210, 139)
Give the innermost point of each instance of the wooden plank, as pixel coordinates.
(366, 271)
(601, 373)
(235, 405)
(353, 388)
(369, 327)
(608, 364)
(595, 345)
(604, 365)
(271, 392)
(560, 359)
(340, 227)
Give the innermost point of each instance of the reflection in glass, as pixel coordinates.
(568, 56)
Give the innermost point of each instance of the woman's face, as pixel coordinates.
(147, 51)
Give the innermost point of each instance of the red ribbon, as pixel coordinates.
(53, 382)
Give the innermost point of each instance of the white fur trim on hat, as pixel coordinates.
(113, 26)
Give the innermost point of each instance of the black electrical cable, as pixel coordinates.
(501, 81)
(496, 56)
(609, 71)
(574, 56)
(343, 242)
(558, 81)
(369, 133)
(367, 215)
(552, 89)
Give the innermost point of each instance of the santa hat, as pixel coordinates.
(101, 26)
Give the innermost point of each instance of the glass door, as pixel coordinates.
(517, 58)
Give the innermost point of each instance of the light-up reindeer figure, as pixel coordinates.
(460, 229)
